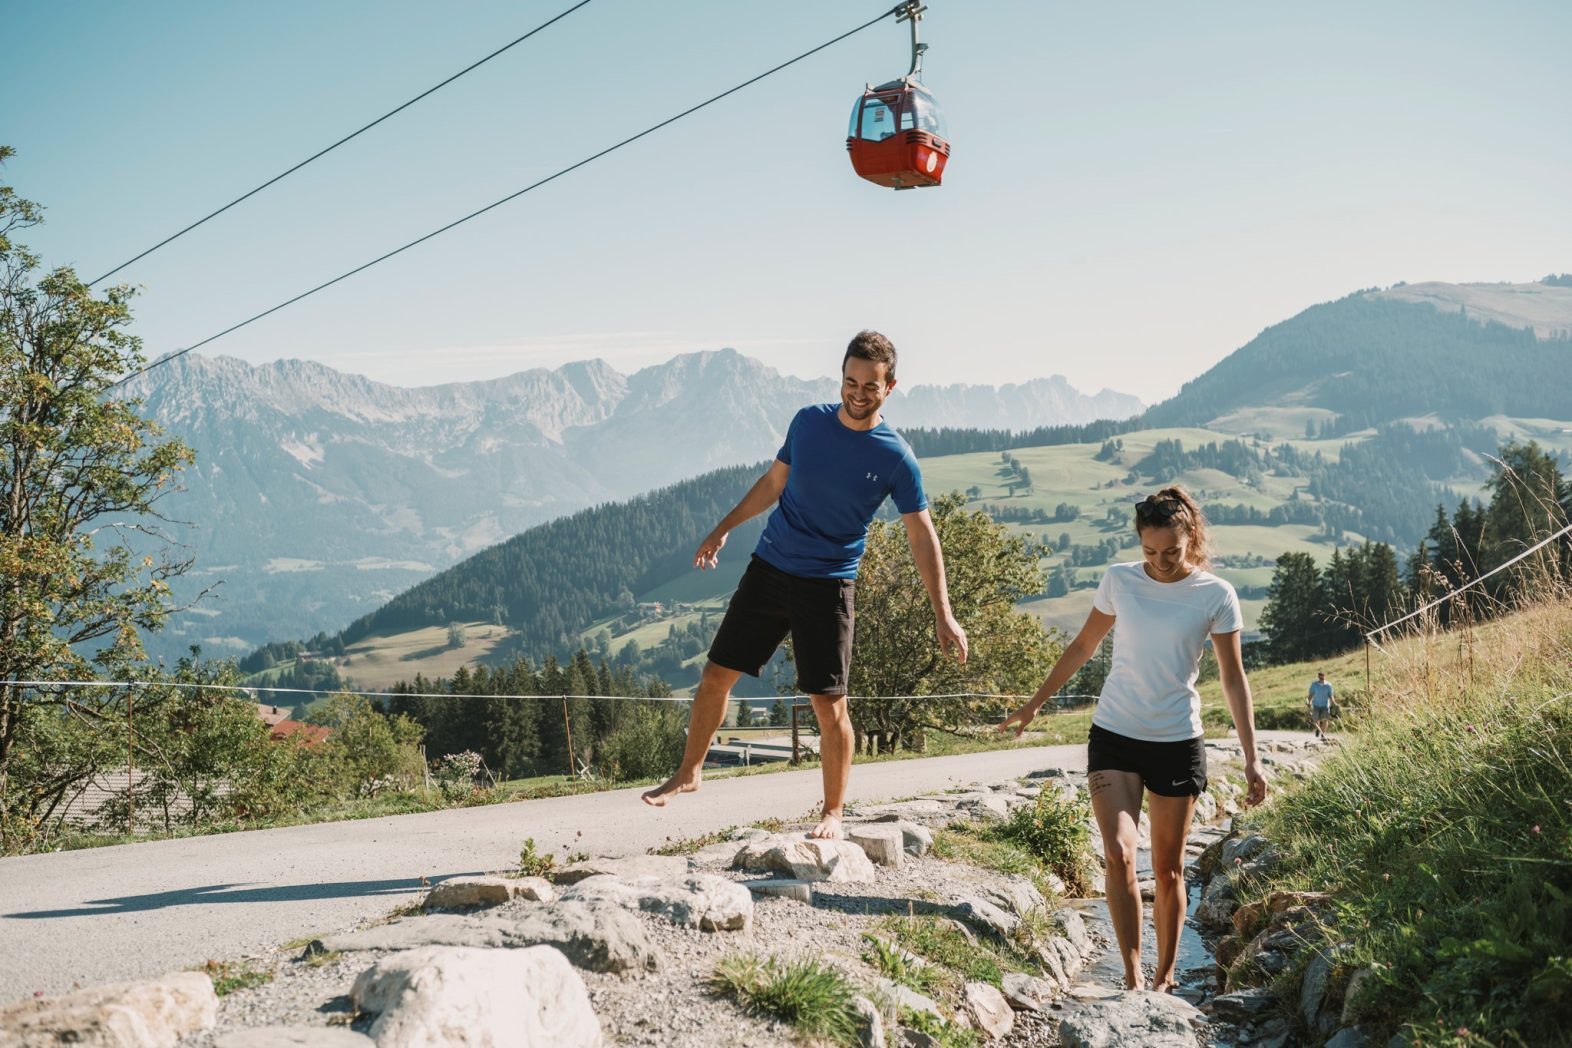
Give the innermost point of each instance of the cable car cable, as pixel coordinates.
(321, 153)
(511, 196)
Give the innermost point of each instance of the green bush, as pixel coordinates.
(1054, 830)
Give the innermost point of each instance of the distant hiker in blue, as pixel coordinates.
(1146, 734)
(838, 464)
(1320, 700)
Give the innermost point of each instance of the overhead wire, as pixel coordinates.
(353, 134)
(510, 197)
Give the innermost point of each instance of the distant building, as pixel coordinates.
(281, 726)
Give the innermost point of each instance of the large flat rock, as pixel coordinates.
(596, 938)
(151, 1014)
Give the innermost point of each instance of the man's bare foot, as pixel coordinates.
(1164, 986)
(829, 828)
(678, 783)
(1136, 983)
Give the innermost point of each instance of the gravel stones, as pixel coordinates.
(454, 995)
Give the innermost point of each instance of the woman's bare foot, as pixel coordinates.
(1165, 986)
(829, 828)
(678, 783)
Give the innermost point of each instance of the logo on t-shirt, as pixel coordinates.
(872, 476)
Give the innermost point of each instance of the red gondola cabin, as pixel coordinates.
(896, 137)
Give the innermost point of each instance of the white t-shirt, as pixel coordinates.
(1159, 631)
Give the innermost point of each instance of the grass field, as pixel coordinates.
(382, 660)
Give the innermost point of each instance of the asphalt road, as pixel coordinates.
(139, 910)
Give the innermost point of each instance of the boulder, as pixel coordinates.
(985, 914)
(294, 1037)
(1073, 928)
(983, 805)
(715, 856)
(454, 995)
(534, 889)
(807, 859)
(697, 900)
(916, 838)
(154, 1013)
(1350, 1037)
(988, 1009)
(1017, 895)
(598, 939)
(1351, 992)
(1321, 991)
(1027, 993)
(1129, 1019)
(629, 868)
(1205, 808)
(870, 1023)
(906, 997)
(883, 843)
(1244, 1006)
(462, 892)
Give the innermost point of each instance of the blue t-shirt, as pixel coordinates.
(1321, 692)
(839, 478)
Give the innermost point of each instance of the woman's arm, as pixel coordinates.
(1236, 689)
(1081, 649)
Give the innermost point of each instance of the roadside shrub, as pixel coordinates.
(647, 744)
(455, 773)
(1054, 829)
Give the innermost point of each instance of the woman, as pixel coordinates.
(1146, 731)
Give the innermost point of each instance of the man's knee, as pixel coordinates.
(829, 707)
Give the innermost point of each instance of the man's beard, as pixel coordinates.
(853, 412)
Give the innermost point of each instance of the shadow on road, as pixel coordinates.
(233, 893)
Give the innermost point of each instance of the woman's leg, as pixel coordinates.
(1170, 824)
(1116, 801)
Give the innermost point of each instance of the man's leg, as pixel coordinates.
(835, 761)
(1170, 824)
(1116, 801)
(709, 709)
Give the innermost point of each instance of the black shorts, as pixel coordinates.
(1168, 769)
(818, 613)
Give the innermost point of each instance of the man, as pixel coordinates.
(1320, 700)
(836, 467)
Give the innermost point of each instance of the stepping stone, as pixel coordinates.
(697, 900)
(1027, 993)
(1125, 1018)
(628, 868)
(487, 891)
(598, 939)
(782, 888)
(883, 843)
(807, 859)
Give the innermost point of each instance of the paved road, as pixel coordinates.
(139, 910)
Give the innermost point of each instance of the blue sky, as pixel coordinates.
(1135, 191)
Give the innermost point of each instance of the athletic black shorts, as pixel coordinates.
(1168, 769)
(769, 604)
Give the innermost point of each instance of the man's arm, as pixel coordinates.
(766, 491)
(924, 542)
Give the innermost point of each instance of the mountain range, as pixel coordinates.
(318, 495)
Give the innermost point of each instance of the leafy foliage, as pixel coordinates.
(1054, 829)
(78, 581)
(896, 651)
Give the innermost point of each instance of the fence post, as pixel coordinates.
(1369, 696)
(796, 756)
(567, 724)
(130, 764)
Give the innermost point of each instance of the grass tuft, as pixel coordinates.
(229, 976)
(813, 997)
